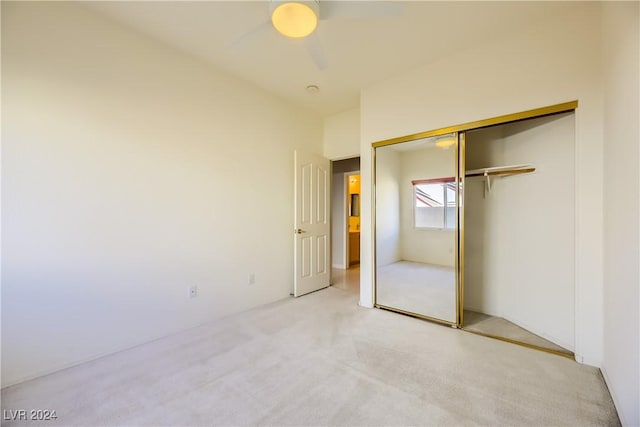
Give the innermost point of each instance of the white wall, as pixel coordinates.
(620, 364)
(555, 61)
(519, 237)
(388, 208)
(422, 245)
(131, 172)
(342, 135)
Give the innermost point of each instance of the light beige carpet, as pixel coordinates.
(321, 360)
(499, 327)
(426, 289)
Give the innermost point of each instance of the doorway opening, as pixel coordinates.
(345, 224)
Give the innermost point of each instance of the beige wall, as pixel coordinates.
(620, 366)
(341, 138)
(131, 172)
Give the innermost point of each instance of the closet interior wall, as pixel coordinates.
(520, 236)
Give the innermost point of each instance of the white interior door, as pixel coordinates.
(312, 262)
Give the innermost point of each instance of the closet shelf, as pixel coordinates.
(498, 171)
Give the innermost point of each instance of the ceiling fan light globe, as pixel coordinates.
(294, 19)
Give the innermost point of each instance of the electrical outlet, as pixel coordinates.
(252, 278)
(193, 291)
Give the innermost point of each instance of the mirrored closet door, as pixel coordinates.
(417, 199)
(476, 228)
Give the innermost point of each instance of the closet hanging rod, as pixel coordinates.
(500, 170)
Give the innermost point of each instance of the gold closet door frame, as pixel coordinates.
(499, 120)
(460, 135)
(460, 179)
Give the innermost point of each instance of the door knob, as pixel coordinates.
(300, 231)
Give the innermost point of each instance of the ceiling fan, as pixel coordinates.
(298, 19)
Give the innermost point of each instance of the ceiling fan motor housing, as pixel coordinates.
(312, 4)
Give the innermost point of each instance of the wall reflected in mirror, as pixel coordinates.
(415, 214)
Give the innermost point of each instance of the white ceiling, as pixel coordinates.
(233, 36)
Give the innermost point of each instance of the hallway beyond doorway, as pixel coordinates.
(348, 280)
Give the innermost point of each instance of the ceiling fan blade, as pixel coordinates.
(314, 47)
(251, 35)
(360, 9)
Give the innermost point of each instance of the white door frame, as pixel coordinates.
(345, 215)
